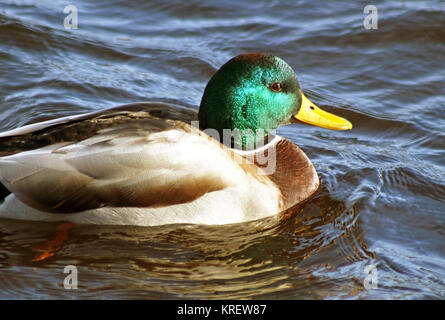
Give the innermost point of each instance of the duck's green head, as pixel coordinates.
(256, 93)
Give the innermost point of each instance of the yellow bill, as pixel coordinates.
(311, 114)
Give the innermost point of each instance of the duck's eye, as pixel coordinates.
(276, 86)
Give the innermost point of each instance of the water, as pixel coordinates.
(382, 197)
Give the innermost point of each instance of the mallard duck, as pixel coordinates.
(156, 163)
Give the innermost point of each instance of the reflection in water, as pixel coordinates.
(259, 259)
(382, 184)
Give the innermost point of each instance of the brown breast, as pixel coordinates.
(293, 172)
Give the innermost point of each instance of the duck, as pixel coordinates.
(155, 163)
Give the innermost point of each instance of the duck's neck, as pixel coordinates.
(270, 141)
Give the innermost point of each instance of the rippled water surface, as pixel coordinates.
(382, 197)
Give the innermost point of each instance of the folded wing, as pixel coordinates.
(139, 163)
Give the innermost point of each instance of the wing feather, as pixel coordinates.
(135, 164)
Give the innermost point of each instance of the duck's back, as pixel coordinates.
(72, 129)
(80, 127)
(142, 156)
